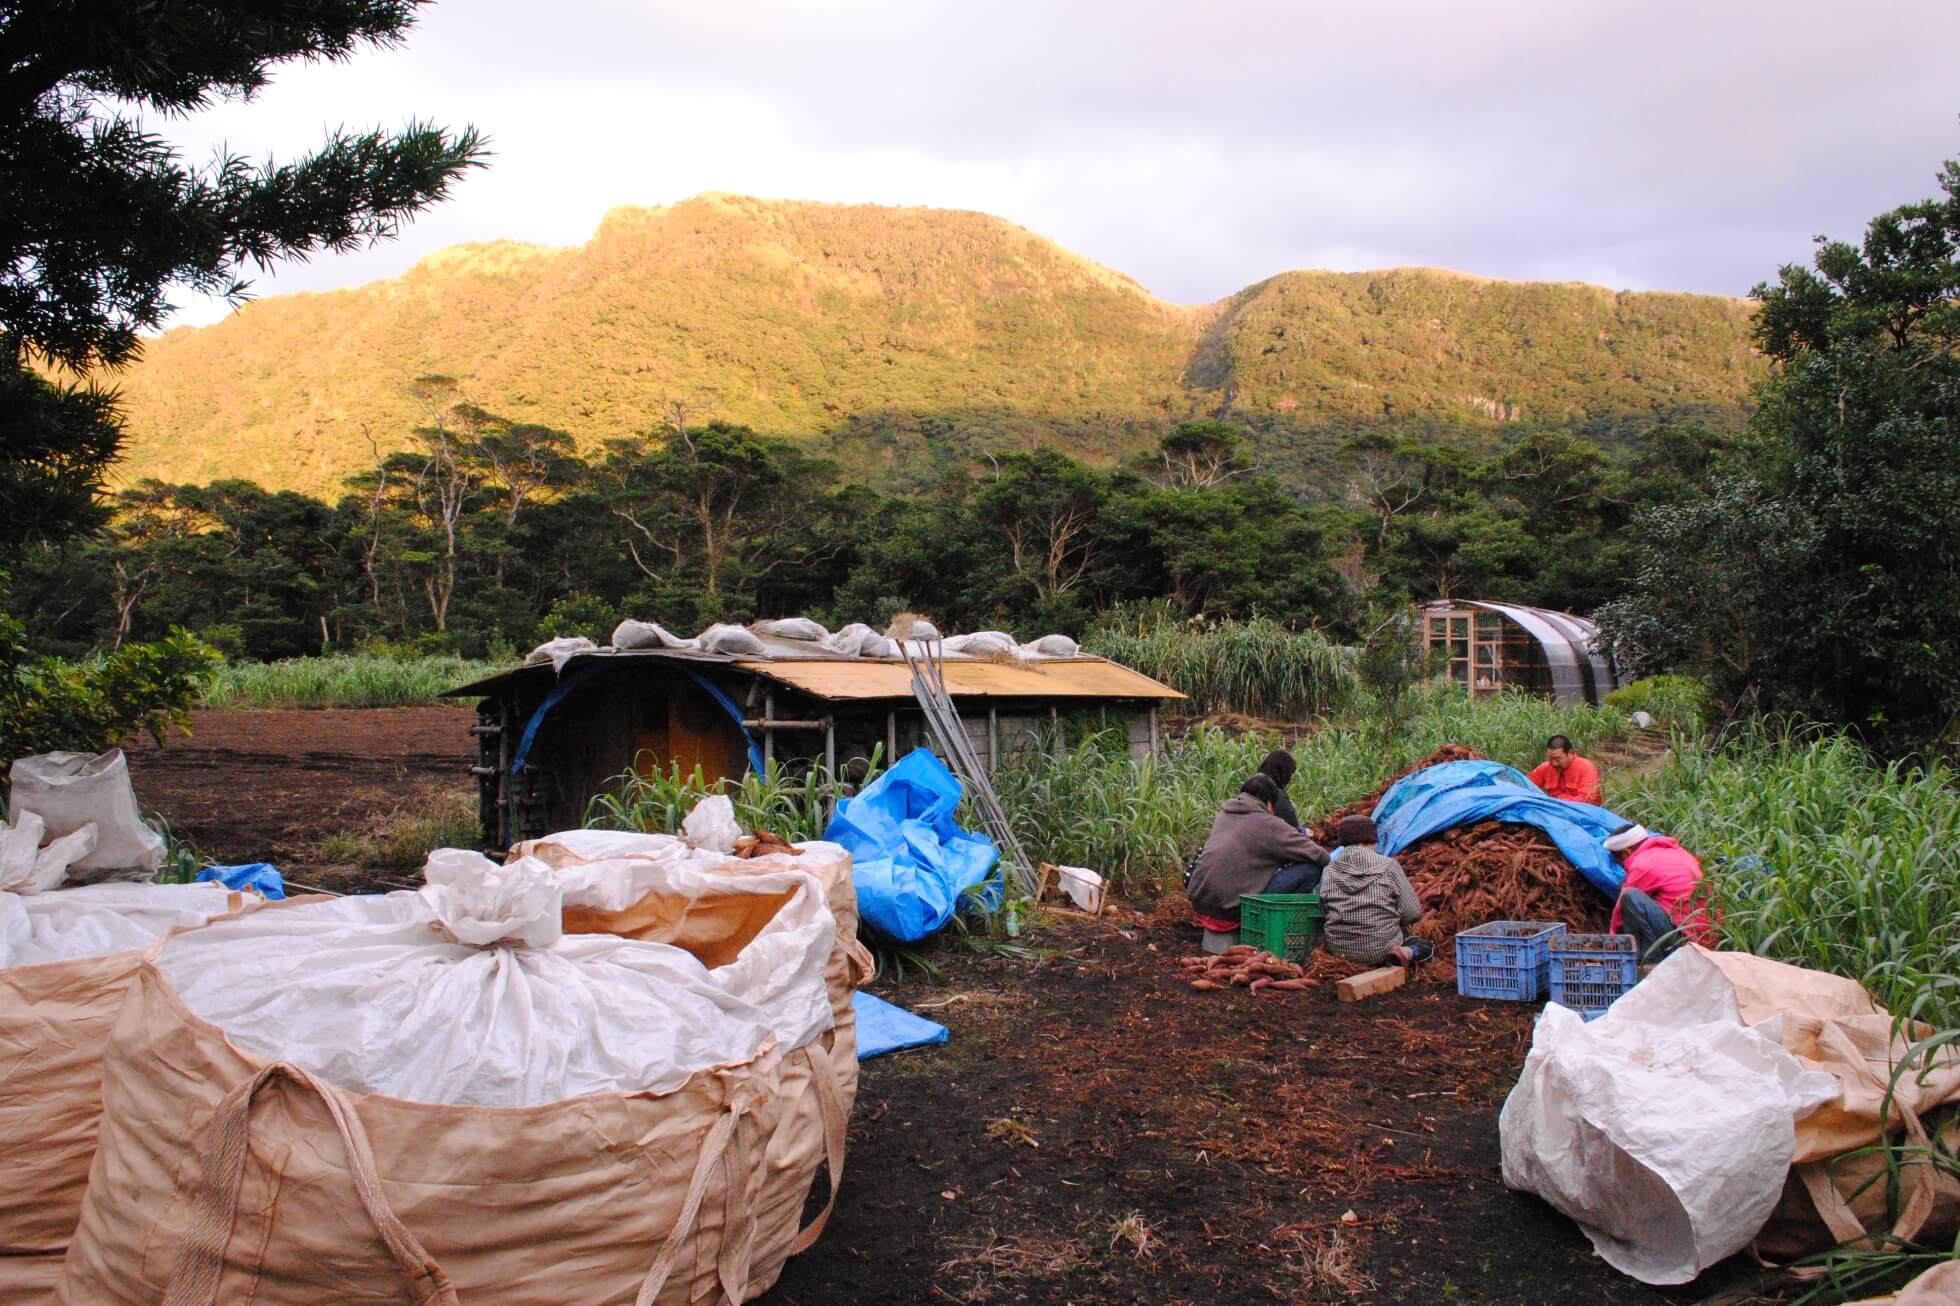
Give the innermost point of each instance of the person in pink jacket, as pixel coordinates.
(1658, 904)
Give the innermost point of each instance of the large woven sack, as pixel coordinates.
(1836, 1192)
(820, 1081)
(72, 790)
(55, 1017)
(227, 1176)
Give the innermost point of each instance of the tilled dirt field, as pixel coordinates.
(252, 786)
(1095, 1131)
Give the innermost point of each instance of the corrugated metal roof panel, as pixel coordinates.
(1070, 678)
(845, 679)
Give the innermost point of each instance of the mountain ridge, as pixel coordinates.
(874, 323)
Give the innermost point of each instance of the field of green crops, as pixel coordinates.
(1823, 857)
(1258, 667)
(348, 680)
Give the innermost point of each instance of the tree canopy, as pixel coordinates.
(100, 221)
(103, 221)
(1818, 576)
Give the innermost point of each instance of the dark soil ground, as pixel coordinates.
(1095, 1131)
(270, 786)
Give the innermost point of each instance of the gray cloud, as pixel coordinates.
(1197, 148)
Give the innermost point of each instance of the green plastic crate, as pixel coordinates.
(1284, 924)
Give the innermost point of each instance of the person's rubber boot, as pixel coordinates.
(1216, 941)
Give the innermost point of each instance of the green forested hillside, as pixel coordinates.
(895, 335)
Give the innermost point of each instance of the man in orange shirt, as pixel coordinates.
(1565, 774)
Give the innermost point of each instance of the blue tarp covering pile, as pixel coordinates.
(1464, 793)
(882, 1027)
(910, 862)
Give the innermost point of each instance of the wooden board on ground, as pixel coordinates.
(1370, 982)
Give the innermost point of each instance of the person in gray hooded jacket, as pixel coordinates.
(1369, 902)
(1250, 850)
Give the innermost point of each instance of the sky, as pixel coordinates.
(1196, 148)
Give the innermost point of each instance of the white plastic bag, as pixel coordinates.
(71, 790)
(712, 824)
(29, 866)
(1083, 886)
(1665, 1128)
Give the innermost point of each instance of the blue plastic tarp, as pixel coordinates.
(883, 1027)
(261, 878)
(910, 862)
(1464, 793)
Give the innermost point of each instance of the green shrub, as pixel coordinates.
(48, 705)
(1672, 700)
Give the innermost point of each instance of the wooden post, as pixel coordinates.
(891, 738)
(1153, 730)
(1055, 725)
(993, 738)
(768, 733)
(506, 782)
(830, 762)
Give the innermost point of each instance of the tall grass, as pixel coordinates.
(1256, 667)
(1136, 822)
(796, 806)
(1821, 856)
(345, 680)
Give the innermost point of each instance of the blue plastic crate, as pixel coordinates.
(1506, 960)
(1590, 971)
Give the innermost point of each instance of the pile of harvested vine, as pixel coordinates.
(1484, 872)
(1244, 966)
(1493, 872)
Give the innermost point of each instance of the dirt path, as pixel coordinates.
(253, 786)
(1096, 1132)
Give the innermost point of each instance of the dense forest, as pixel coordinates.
(492, 534)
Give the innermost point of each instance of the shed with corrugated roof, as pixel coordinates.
(557, 731)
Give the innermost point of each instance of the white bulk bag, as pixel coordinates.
(342, 1102)
(819, 1081)
(66, 959)
(1666, 1127)
(71, 790)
